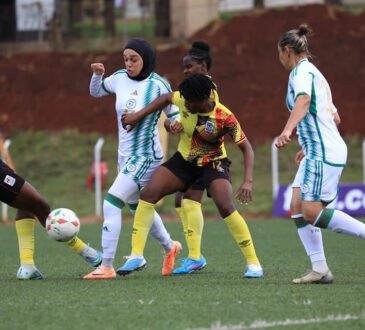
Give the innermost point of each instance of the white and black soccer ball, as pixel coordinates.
(62, 224)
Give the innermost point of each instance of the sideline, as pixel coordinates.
(262, 324)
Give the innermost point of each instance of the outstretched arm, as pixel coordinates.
(132, 118)
(244, 193)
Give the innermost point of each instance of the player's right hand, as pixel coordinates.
(98, 68)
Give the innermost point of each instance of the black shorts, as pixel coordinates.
(188, 173)
(10, 183)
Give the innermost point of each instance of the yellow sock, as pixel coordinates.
(184, 220)
(25, 232)
(240, 232)
(143, 220)
(76, 244)
(195, 221)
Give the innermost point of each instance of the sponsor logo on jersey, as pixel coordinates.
(131, 104)
(9, 180)
(209, 126)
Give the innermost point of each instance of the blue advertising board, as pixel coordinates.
(350, 199)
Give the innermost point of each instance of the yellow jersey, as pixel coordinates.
(202, 140)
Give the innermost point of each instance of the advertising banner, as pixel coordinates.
(350, 199)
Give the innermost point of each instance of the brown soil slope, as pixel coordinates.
(50, 90)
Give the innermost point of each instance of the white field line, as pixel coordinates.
(262, 324)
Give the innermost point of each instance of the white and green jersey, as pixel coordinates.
(132, 95)
(317, 131)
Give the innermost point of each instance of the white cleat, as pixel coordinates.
(315, 278)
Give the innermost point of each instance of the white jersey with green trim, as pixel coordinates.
(317, 131)
(131, 95)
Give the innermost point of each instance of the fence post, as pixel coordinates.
(274, 168)
(97, 159)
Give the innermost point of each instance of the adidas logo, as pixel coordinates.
(134, 93)
(105, 228)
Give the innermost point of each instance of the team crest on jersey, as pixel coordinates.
(131, 104)
(131, 168)
(209, 126)
(9, 180)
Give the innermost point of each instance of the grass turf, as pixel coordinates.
(218, 297)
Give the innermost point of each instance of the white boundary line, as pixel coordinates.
(262, 324)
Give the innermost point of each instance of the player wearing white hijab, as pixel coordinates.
(139, 151)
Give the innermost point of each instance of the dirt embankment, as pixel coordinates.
(50, 90)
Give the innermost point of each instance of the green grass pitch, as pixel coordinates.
(217, 297)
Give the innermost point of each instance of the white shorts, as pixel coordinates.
(317, 180)
(134, 173)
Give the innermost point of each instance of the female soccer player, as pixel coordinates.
(201, 153)
(139, 152)
(20, 194)
(315, 185)
(197, 60)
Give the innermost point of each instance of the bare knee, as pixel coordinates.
(150, 195)
(42, 210)
(226, 209)
(310, 215)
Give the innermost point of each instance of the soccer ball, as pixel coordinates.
(62, 224)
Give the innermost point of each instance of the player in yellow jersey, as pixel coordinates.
(196, 60)
(201, 153)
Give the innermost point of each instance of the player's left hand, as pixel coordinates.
(244, 193)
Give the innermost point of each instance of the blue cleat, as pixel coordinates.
(135, 263)
(189, 266)
(29, 274)
(253, 271)
(93, 257)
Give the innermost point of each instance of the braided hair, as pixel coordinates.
(197, 87)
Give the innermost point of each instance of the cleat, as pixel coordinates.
(135, 263)
(169, 259)
(101, 273)
(93, 257)
(29, 274)
(253, 271)
(315, 278)
(190, 265)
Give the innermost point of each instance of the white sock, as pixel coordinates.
(159, 232)
(311, 238)
(111, 231)
(340, 222)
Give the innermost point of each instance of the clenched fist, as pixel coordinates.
(98, 68)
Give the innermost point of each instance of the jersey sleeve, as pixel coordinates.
(100, 87)
(302, 83)
(234, 129)
(171, 111)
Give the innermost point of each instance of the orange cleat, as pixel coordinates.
(169, 259)
(101, 273)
